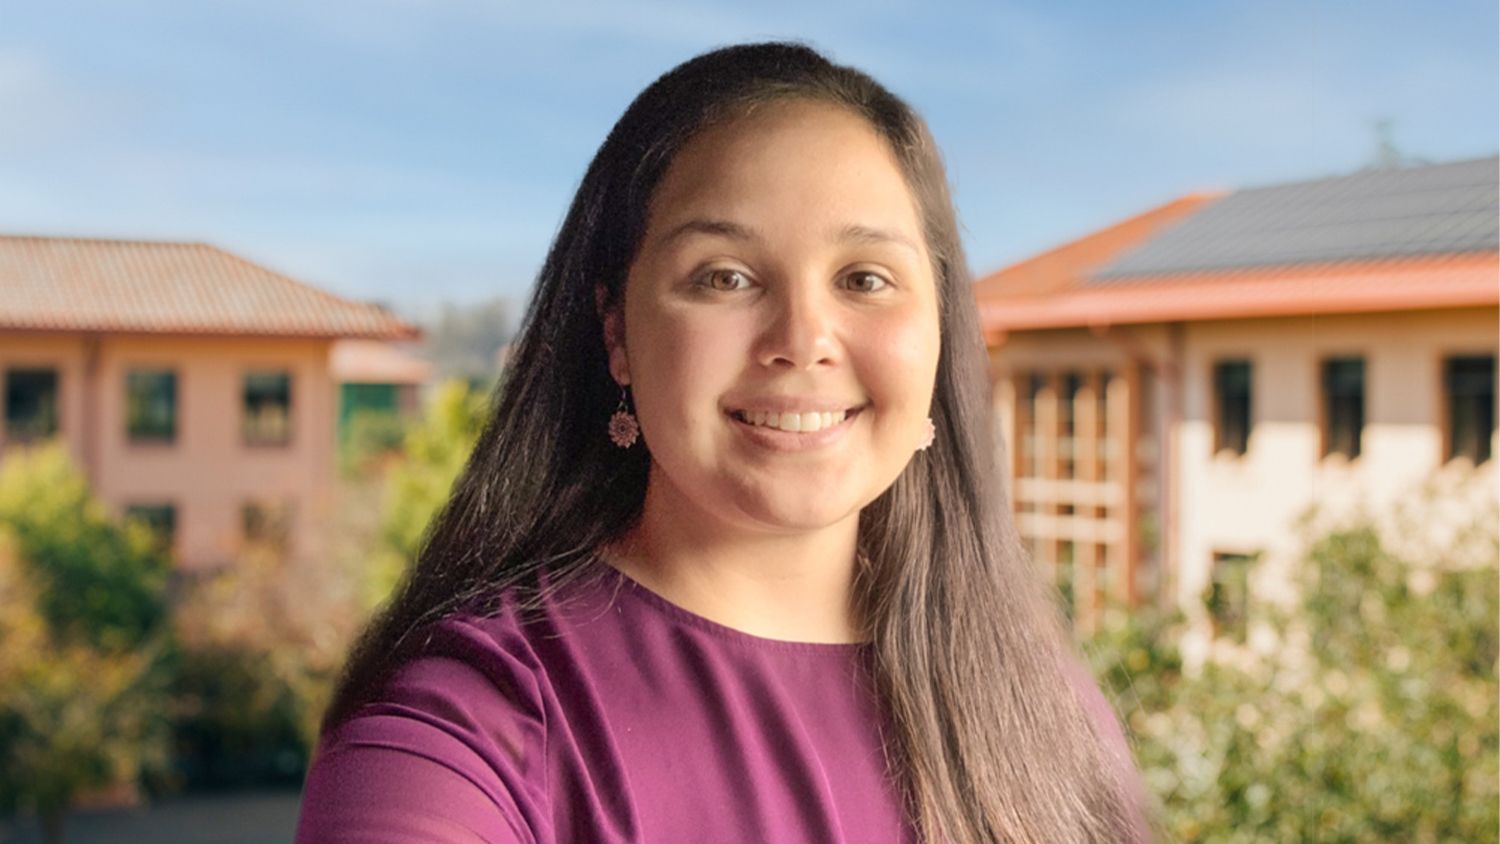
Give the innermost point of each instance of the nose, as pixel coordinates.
(800, 331)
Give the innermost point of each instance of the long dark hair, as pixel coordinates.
(989, 740)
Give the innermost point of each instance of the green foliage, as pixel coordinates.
(373, 437)
(1371, 716)
(83, 651)
(436, 450)
(97, 582)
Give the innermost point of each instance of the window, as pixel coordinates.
(1228, 596)
(160, 519)
(1343, 405)
(1030, 445)
(268, 408)
(1067, 444)
(1469, 384)
(267, 526)
(151, 405)
(1232, 406)
(30, 403)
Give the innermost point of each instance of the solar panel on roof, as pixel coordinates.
(1424, 210)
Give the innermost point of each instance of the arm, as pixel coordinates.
(449, 753)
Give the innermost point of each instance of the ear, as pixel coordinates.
(613, 319)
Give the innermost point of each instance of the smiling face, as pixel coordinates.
(780, 323)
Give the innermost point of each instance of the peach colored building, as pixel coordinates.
(192, 386)
(1176, 389)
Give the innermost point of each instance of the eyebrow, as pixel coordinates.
(865, 234)
(852, 233)
(719, 228)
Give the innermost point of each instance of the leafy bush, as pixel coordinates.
(1371, 715)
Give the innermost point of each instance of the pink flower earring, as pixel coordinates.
(931, 435)
(624, 430)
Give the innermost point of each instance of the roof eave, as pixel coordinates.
(1473, 282)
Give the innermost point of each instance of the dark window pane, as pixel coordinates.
(1228, 596)
(1470, 386)
(30, 403)
(1072, 382)
(268, 408)
(1343, 405)
(1232, 406)
(267, 526)
(151, 405)
(160, 519)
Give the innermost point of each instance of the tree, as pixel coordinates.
(83, 643)
(435, 451)
(98, 582)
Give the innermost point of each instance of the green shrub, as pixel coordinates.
(1373, 717)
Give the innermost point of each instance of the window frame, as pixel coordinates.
(20, 435)
(1447, 400)
(247, 435)
(1219, 399)
(1326, 399)
(166, 544)
(145, 438)
(275, 512)
(1229, 573)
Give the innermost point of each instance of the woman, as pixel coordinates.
(730, 562)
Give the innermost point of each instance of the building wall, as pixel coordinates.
(208, 473)
(1206, 503)
(1249, 503)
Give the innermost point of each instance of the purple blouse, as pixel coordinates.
(611, 715)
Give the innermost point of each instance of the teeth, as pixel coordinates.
(795, 422)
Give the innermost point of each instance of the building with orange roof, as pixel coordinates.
(1176, 389)
(192, 386)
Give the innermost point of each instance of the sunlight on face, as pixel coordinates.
(780, 324)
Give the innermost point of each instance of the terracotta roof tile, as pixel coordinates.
(77, 284)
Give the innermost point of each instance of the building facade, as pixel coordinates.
(192, 387)
(1178, 389)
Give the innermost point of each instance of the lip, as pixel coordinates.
(776, 439)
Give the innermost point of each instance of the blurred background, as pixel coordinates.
(1238, 267)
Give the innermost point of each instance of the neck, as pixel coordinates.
(788, 585)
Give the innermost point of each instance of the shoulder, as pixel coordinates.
(473, 679)
(455, 740)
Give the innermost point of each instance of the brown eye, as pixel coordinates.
(725, 280)
(866, 282)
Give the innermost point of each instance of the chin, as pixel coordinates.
(797, 514)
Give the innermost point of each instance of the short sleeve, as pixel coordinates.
(452, 752)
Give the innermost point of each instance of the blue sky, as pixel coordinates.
(420, 151)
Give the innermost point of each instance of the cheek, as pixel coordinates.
(900, 359)
(681, 365)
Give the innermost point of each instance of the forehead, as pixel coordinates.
(801, 163)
